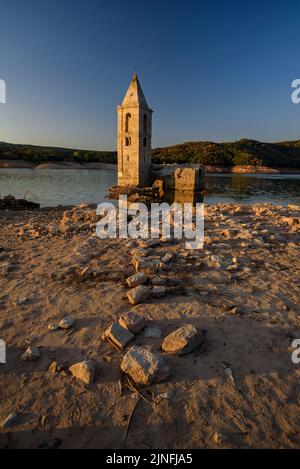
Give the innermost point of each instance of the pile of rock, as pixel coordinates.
(142, 364)
(82, 218)
(11, 203)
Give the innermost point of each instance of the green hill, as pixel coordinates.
(242, 152)
(38, 154)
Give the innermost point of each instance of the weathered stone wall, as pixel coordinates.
(181, 178)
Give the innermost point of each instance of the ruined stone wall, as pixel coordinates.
(181, 178)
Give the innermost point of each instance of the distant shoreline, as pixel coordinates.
(246, 169)
(20, 164)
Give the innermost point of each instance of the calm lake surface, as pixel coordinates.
(52, 187)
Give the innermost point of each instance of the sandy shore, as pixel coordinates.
(243, 288)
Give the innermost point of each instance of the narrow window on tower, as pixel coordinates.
(145, 123)
(127, 141)
(127, 122)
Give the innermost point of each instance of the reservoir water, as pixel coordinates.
(52, 187)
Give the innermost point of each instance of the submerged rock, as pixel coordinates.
(144, 366)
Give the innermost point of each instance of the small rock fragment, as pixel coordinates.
(183, 340)
(228, 373)
(152, 332)
(132, 321)
(67, 322)
(168, 257)
(158, 291)
(53, 327)
(144, 366)
(118, 334)
(84, 371)
(157, 281)
(31, 354)
(55, 368)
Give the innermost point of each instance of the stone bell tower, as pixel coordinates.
(134, 137)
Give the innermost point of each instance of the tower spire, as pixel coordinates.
(134, 137)
(135, 94)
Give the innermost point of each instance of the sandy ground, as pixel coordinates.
(199, 406)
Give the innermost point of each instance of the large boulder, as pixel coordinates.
(183, 340)
(84, 371)
(118, 335)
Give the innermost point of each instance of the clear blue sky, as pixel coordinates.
(211, 70)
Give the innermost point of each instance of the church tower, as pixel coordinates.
(134, 137)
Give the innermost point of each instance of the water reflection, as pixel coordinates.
(183, 197)
(277, 189)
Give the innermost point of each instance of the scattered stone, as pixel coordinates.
(232, 267)
(51, 444)
(132, 321)
(168, 257)
(21, 301)
(143, 366)
(139, 294)
(149, 243)
(183, 340)
(67, 322)
(55, 368)
(84, 371)
(164, 266)
(146, 266)
(139, 252)
(217, 260)
(53, 230)
(10, 420)
(157, 281)
(164, 396)
(152, 332)
(158, 291)
(217, 438)
(135, 280)
(53, 327)
(31, 354)
(118, 334)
